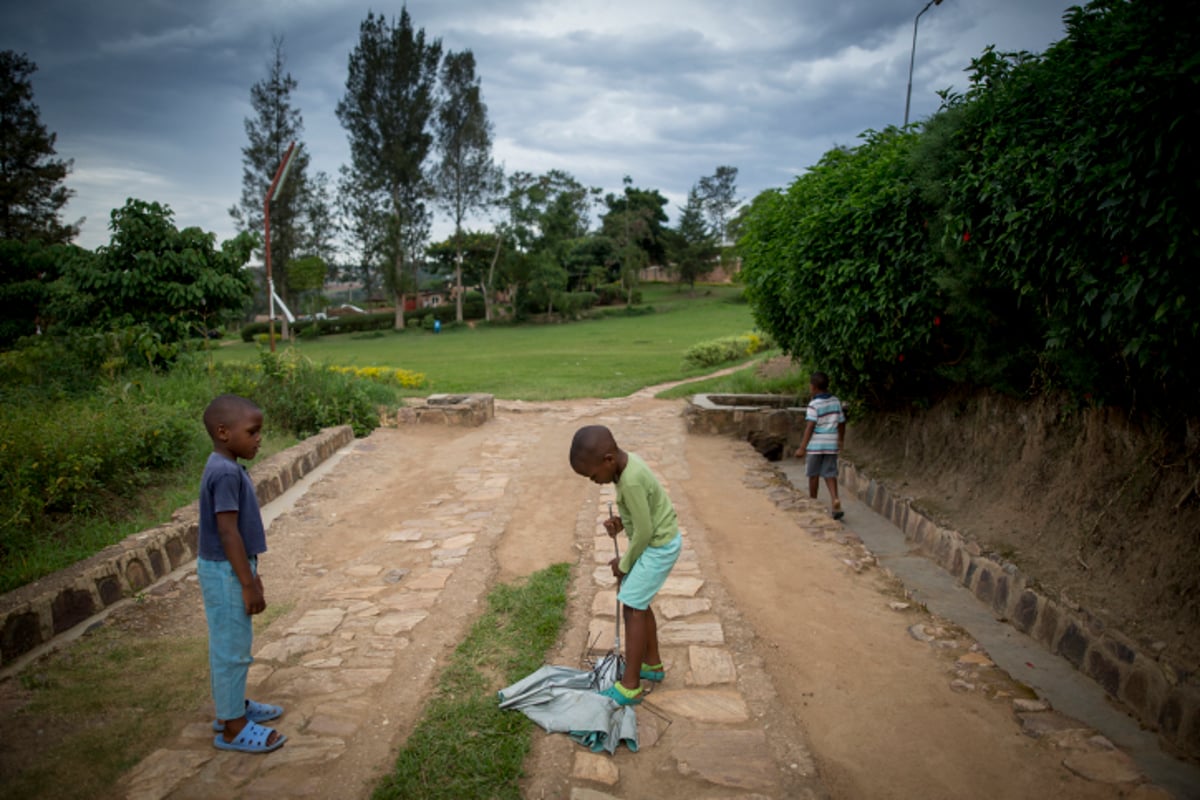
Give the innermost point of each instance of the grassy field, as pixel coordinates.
(610, 356)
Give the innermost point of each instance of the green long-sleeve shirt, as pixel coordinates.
(646, 511)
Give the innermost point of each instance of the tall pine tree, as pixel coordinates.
(466, 178)
(275, 125)
(31, 190)
(386, 112)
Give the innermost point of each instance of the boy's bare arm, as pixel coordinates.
(235, 553)
(808, 432)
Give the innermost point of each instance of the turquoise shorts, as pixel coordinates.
(648, 574)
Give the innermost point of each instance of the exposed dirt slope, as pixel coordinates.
(1094, 507)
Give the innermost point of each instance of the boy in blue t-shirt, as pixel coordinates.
(231, 538)
(824, 435)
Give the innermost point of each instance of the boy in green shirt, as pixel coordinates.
(648, 518)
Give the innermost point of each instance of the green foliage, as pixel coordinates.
(302, 397)
(837, 268)
(31, 190)
(1039, 232)
(175, 281)
(70, 457)
(725, 350)
(79, 360)
(694, 246)
(28, 271)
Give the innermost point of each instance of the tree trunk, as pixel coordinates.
(398, 295)
(458, 287)
(491, 281)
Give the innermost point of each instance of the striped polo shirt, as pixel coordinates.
(825, 410)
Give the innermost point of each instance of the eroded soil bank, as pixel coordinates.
(1101, 510)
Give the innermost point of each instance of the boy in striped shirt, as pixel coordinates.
(824, 435)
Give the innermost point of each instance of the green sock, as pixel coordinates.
(630, 693)
(652, 667)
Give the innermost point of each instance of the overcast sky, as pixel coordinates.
(149, 97)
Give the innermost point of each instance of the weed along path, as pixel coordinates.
(789, 673)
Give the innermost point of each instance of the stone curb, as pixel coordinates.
(466, 410)
(36, 613)
(1164, 696)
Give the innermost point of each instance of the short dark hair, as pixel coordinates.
(819, 381)
(590, 443)
(225, 410)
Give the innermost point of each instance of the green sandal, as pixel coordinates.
(652, 672)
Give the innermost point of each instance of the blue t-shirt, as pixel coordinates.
(226, 486)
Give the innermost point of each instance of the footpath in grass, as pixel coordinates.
(465, 747)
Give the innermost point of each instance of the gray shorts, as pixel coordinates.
(821, 465)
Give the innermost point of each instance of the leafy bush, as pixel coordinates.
(1039, 232)
(301, 397)
(70, 457)
(726, 349)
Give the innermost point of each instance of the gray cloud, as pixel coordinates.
(148, 96)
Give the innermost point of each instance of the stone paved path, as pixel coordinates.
(374, 601)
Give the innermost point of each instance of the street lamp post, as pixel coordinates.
(913, 57)
(273, 192)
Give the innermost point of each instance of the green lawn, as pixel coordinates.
(610, 356)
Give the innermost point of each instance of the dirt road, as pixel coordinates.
(789, 672)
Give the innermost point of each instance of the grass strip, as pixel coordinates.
(465, 746)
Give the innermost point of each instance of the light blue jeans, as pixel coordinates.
(230, 634)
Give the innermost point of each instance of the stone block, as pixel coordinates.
(1144, 690)
(109, 589)
(158, 564)
(709, 666)
(596, 768)
(1073, 644)
(137, 577)
(736, 759)
(1120, 648)
(1000, 594)
(1025, 614)
(718, 706)
(21, 633)
(958, 563)
(985, 584)
(176, 551)
(673, 633)
(1104, 670)
(1046, 630)
(71, 607)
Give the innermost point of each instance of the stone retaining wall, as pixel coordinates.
(746, 414)
(1164, 696)
(36, 613)
(466, 410)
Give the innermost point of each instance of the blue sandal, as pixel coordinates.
(255, 712)
(251, 739)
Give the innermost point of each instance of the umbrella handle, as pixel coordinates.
(617, 550)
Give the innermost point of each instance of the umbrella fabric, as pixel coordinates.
(562, 700)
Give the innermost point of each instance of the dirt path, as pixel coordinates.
(789, 674)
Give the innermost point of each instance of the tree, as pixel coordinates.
(363, 227)
(466, 178)
(694, 245)
(274, 126)
(28, 275)
(719, 193)
(31, 190)
(637, 217)
(386, 112)
(175, 281)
